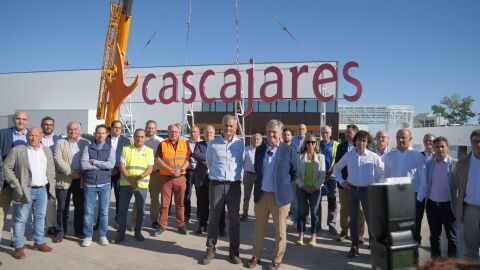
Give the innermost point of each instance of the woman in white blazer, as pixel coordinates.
(309, 181)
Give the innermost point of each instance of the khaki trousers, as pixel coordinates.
(263, 208)
(344, 214)
(5, 202)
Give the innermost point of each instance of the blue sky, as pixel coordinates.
(410, 52)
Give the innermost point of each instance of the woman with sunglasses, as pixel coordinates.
(309, 181)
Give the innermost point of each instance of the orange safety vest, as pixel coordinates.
(174, 158)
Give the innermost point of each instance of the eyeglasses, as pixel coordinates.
(311, 142)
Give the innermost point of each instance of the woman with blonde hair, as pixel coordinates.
(309, 181)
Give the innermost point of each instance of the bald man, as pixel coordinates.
(32, 180)
(404, 161)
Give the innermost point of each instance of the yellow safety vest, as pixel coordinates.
(136, 164)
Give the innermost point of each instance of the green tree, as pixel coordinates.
(455, 109)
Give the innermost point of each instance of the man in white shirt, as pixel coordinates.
(249, 175)
(404, 161)
(29, 170)
(382, 143)
(364, 168)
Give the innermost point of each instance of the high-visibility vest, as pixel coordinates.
(136, 164)
(173, 157)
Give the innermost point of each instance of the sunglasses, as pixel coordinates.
(311, 142)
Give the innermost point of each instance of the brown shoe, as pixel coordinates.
(19, 253)
(274, 265)
(253, 262)
(59, 237)
(43, 247)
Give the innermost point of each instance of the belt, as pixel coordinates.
(36, 187)
(249, 172)
(473, 205)
(225, 182)
(440, 203)
(358, 187)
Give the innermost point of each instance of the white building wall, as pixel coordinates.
(78, 90)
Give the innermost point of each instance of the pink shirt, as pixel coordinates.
(439, 190)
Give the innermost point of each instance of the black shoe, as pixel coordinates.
(52, 231)
(155, 225)
(139, 236)
(198, 230)
(353, 252)
(222, 233)
(95, 228)
(332, 230)
(130, 228)
(79, 235)
(187, 220)
(118, 238)
(182, 230)
(243, 217)
(159, 231)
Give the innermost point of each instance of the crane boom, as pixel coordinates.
(110, 96)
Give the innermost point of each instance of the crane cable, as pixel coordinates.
(149, 41)
(284, 27)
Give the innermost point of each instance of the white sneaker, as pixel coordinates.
(86, 242)
(103, 241)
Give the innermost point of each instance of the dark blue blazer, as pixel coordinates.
(122, 141)
(342, 149)
(201, 170)
(6, 141)
(286, 169)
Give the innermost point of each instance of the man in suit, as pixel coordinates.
(466, 178)
(9, 138)
(343, 148)
(30, 172)
(276, 167)
(67, 156)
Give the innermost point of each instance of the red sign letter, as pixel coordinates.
(237, 83)
(317, 81)
(278, 81)
(174, 87)
(201, 87)
(145, 89)
(295, 74)
(353, 81)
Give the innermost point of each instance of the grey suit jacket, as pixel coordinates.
(318, 170)
(18, 175)
(63, 161)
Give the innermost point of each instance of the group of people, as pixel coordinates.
(287, 174)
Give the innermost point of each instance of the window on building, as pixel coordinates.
(283, 105)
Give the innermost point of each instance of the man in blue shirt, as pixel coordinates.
(328, 148)
(224, 163)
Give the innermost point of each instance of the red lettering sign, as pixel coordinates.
(169, 92)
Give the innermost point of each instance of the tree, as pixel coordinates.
(455, 109)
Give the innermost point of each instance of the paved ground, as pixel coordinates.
(174, 251)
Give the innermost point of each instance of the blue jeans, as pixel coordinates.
(38, 204)
(103, 204)
(305, 201)
(125, 194)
